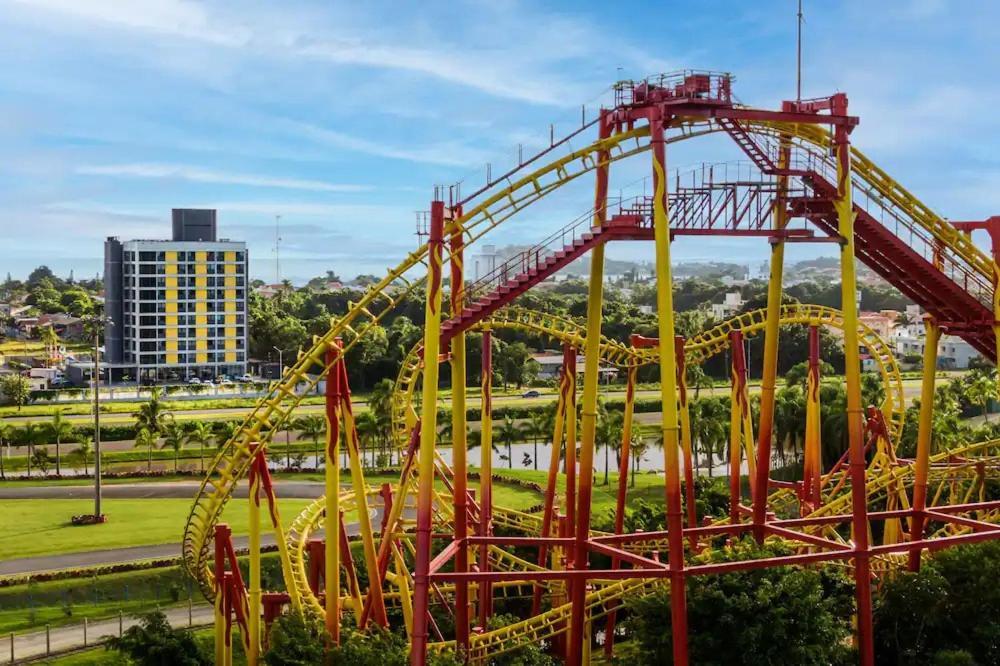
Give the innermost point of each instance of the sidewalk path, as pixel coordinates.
(71, 637)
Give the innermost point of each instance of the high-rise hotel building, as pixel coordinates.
(176, 308)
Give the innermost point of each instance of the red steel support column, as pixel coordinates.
(668, 392)
(623, 463)
(428, 433)
(486, 476)
(458, 437)
(550, 485)
(588, 423)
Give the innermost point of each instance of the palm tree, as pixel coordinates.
(84, 451)
(6, 434)
(200, 433)
(59, 429)
(173, 438)
(28, 435)
(608, 435)
(145, 438)
(980, 390)
(312, 427)
(224, 431)
(368, 429)
(508, 433)
(152, 415)
(695, 377)
(536, 428)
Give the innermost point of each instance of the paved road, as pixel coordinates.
(94, 558)
(71, 637)
(287, 489)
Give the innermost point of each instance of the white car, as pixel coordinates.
(193, 380)
(246, 378)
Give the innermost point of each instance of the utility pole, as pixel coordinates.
(96, 322)
(798, 58)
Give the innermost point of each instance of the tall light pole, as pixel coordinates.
(96, 322)
(281, 366)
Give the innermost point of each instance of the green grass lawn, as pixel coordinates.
(56, 603)
(30, 528)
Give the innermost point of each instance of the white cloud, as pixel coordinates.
(442, 154)
(201, 175)
(169, 17)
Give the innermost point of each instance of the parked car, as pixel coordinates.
(247, 378)
(193, 380)
(530, 393)
(221, 379)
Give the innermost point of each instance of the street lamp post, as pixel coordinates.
(281, 366)
(96, 323)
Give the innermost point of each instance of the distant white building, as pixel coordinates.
(484, 263)
(953, 351)
(729, 306)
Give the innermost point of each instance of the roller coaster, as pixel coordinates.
(442, 543)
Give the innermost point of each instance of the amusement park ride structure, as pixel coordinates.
(454, 547)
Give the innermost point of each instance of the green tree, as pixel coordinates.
(312, 427)
(29, 435)
(60, 429)
(777, 615)
(153, 642)
(200, 433)
(85, 452)
(146, 439)
(981, 388)
(173, 439)
(515, 364)
(6, 437)
(41, 459)
(15, 390)
(508, 433)
(152, 415)
(536, 427)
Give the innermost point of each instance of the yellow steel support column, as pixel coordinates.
(361, 497)
(844, 206)
(812, 468)
(428, 434)
(253, 582)
(331, 521)
(924, 437)
(685, 424)
(571, 439)
(668, 393)
(770, 369)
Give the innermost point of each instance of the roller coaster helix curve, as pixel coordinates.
(801, 171)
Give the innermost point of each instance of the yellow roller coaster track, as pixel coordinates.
(500, 203)
(698, 349)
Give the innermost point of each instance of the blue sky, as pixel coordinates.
(342, 116)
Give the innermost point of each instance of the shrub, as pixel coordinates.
(153, 643)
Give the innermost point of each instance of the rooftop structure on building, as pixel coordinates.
(176, 308)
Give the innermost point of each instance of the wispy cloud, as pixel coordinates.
(200, 175)
(442, 154)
